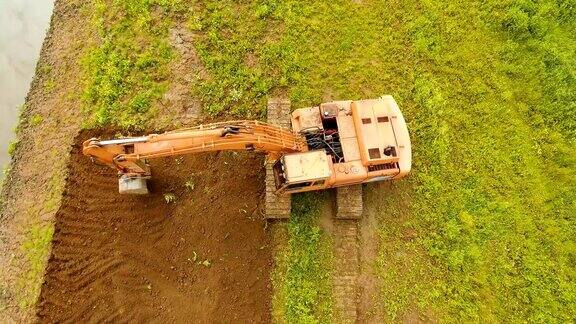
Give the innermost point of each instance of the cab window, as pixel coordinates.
(299, 185)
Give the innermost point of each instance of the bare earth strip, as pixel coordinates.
(34, 185)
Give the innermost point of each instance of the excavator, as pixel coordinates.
(334, 144)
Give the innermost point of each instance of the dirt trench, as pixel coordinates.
(204, 257)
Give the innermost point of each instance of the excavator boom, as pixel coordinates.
(128, 155)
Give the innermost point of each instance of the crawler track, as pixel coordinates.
(277, 206)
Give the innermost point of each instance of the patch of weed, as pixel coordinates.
(49, 85)
(35, 120)
(12, 146)
(190, 184)
(169, 197)
(229, 36)
(6, 170)
(54, 192)
(35, 247)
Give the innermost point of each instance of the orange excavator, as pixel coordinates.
(334, 144)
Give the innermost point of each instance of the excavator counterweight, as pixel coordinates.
(334, 144)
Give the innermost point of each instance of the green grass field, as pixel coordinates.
(488, 90)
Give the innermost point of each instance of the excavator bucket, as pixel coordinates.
(132, 185)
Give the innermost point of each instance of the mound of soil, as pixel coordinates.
(203, 257)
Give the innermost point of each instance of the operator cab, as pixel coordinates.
(298, 172)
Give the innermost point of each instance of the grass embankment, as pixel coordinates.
(126, 70)
(488, 90)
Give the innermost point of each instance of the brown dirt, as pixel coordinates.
(140, 259)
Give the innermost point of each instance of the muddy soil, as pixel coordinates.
(204, 257)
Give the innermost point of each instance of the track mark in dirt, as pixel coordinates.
(346, 251)
(369, 305)
(346, 269)
(204, 257)
(344, 229)
(186, 69)
(381, 214)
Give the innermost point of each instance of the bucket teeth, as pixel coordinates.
(132, 185)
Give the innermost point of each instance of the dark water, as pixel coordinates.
(23, 25)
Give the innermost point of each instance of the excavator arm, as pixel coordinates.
(128, 155)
